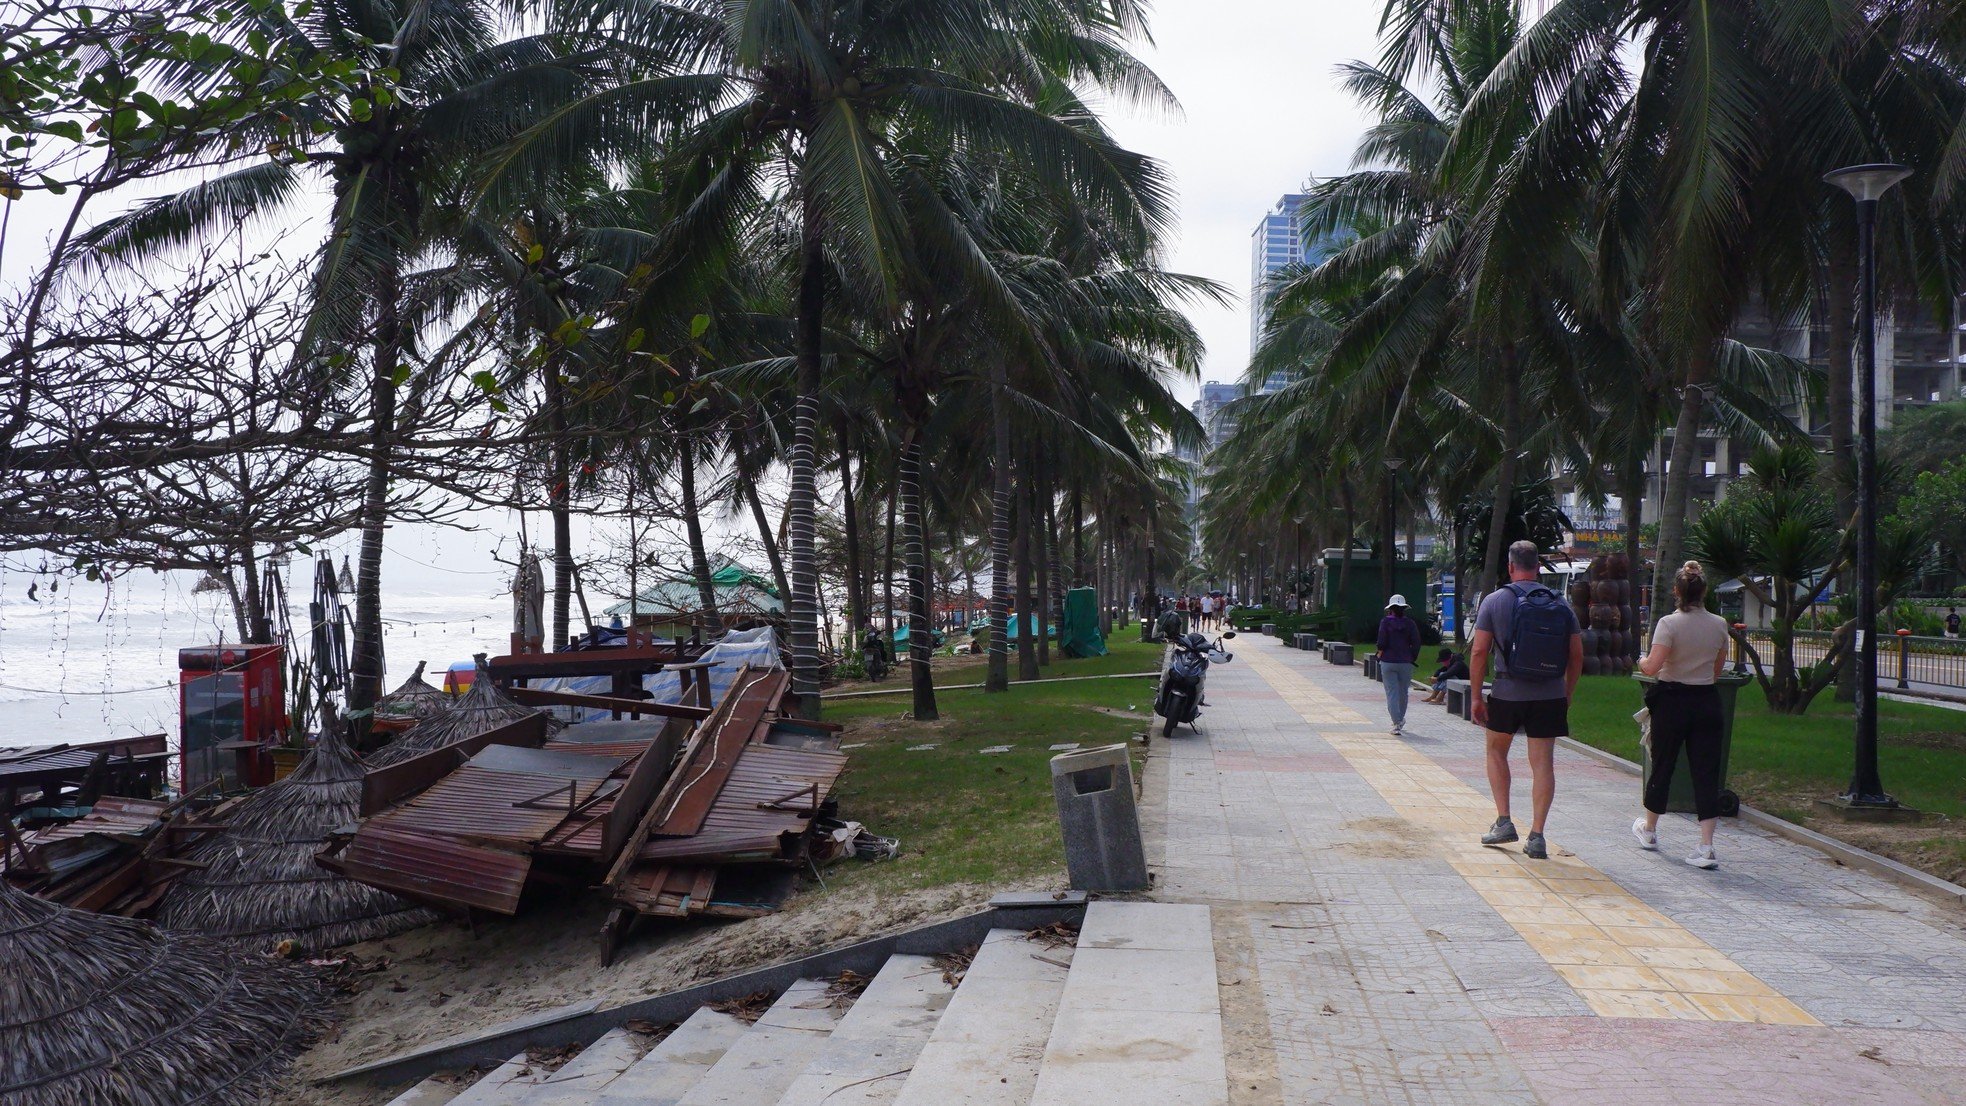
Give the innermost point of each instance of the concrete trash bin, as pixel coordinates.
(1269, 629)
(1679, 798)
(1341, 652)
(1307, 641)
(1094, 791)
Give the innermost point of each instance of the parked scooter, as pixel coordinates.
(1179, 697)
(873, 656)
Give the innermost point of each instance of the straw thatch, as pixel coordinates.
(483, 707)
(413, 700)
(97, 1010)
(262, 885)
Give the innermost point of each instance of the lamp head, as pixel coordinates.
(1867, 182)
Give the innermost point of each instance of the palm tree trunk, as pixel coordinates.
(921, 674)
(1631, 493)
(998, 677)
(1078, 535)
(803, 603)
(560, 503)
(1679, 474)
(1351, 524)
(887, 567)
(1053, 553)
(1389, 539)
(1841, 318)
(1841, 356)
(699, 557)
(855, 584)
(1020, 551)
(1041, 559)
(1505, 475)
(768, 539)
(365, 664)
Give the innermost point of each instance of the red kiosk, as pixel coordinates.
(232, 712)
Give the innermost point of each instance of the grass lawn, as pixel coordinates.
(1782, 763)
(966, 817)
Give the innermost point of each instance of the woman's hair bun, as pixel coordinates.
(1692, 568)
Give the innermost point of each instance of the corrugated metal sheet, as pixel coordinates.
(479, 804)
(33, 760)
(114, 824)
(715, 758)
(435, 869)
(742, 824)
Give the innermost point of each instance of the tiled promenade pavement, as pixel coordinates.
(1373, 952)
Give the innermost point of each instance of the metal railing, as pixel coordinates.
(1903, 659)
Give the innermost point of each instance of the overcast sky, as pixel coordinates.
(1262, 112)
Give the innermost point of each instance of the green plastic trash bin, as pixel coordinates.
(1679, 799)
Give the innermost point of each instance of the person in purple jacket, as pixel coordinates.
(1399, 651)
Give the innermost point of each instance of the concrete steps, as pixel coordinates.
(671, 1068)
(430, 1092)
(582, 1079)
(1129, 1015)
(874, 1047)
(986, 1049)
(1141, 1019)
(762, 1064)
(505, 1085)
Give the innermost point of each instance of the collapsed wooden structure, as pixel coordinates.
(675, 809)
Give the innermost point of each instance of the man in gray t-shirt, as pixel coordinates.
(1539, 709)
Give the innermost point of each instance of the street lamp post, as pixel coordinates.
(1242, 584)
(1867, 184)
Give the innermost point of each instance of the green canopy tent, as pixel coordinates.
(1080, 636)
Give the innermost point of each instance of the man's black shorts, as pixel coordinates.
(1534, 717)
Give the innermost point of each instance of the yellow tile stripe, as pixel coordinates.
(1623, 958)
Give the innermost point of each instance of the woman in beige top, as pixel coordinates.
(1689, 649)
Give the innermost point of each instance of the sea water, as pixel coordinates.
(82, 660)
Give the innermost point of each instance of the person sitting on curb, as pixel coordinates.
(1451, 666)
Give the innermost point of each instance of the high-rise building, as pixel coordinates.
(1277, 244)
(1210, 409)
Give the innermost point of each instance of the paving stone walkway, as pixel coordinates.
(1373, 952)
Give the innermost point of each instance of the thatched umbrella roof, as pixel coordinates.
(262, 885)
(483, 707)
(97, 1010)
(414, 699)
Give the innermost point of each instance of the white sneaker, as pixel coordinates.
(1647, 839)
(1703, 858)
(1399, 731)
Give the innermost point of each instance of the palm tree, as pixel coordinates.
(806, 98)
(1708, 192)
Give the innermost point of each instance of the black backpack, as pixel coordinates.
(1538, 648)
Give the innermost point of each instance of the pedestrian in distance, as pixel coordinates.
(1952, 622)
(1449, 665)
(1689, 650)
(1399, 651)
(1538, 649)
